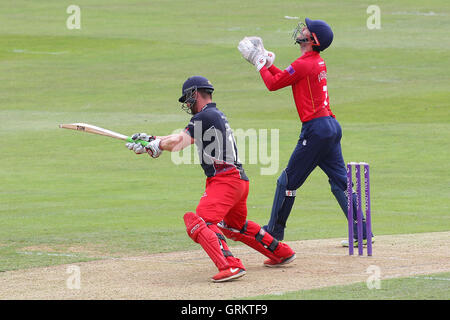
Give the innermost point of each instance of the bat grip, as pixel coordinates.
(144, 143)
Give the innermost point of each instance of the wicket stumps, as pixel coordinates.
(359, 212)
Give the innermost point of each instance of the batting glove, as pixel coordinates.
(142, 136)
(153, 148)
(137, 147)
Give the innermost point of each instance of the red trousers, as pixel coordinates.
(222, 210)
(225, 198)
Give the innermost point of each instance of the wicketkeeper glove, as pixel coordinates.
(251, 48)
(261, 61)
(270, 58)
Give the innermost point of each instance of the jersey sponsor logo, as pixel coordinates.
(291, 70)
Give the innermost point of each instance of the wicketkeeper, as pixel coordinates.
(222, 209)
(320, 138)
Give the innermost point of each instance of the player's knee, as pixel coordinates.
(231, 232)
(283, 179)
(336, 187)
(284, 187)
(194, 224)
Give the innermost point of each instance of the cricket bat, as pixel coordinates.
(101, 131)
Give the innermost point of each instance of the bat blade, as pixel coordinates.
(84, 127)
(94, 129)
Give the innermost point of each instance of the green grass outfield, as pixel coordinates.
(429, 287)
(123, 70)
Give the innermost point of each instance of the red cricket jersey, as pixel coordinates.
(308, 77)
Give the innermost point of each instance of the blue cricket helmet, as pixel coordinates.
(321, 32)
(192, 84)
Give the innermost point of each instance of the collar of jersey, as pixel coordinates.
(211, 104)
(309, 53)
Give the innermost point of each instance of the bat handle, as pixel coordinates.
(144, 143)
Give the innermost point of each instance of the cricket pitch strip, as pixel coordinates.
(186, 275)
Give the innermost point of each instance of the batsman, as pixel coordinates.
(319, 144)
(222, 210)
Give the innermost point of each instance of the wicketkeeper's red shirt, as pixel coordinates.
(308, 77)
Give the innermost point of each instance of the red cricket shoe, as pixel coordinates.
(272, 263)
(228, 274)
